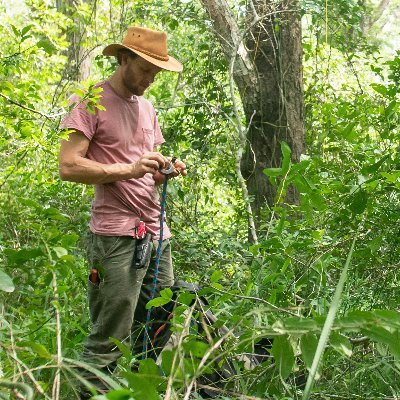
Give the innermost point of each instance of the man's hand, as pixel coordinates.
(149, 163)
(180, 168)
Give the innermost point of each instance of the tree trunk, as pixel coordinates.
(79, 60)
(369, 20)
(268, 75)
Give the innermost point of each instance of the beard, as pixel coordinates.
(134, 88)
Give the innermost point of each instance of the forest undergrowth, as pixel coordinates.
(310, 311)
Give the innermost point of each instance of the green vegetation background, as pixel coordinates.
(283, 287)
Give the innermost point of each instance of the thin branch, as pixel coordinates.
(28, 372)
(243, 185)
(14, 353)
(183, 334)
(57, 378)
(25, 107)
(258, 299)
(204, 360)
(20, 159)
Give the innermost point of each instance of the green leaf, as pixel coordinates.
(120, 394)
(359, 203)
(157, 302)
(217, 286)
(392, 177)
(165, 297)
(46, 45)
(341, 344)
(317, 200)
(149, 367)
(25, 29)
(286, 153)
(15, 30)
(6, 86)
(273, 172)
(382, 335)
(370, 169)
(167, 293)
(69, 240)
(38, 348)
(284, 356)
(356, 319)
(143, 388)
(23, 255)
(6, 283)
(348, 132)
(196, 348)
(167, 361)
(123, 349)
(60, 251)
(295, 325)
(216, 276)
(24, 32)
(308, 346)
(186, 298)
(80, 93)
(302, 184)
(326, 330)
(54, 214)
(387, 318)
(318, 234)
(381, 89)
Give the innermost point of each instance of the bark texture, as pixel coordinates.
(369, 20)
(79, 60)
(268, 75)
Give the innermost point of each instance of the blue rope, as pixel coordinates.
(156, 267)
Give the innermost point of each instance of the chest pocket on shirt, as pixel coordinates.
(148, 139)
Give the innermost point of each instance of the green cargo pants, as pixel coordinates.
(117, 302)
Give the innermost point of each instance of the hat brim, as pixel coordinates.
(171, 65)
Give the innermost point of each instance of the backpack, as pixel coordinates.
(200, 324)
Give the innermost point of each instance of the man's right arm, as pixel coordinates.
(75, 167)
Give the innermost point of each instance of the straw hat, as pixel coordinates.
(148, 44)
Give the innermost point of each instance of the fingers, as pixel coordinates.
(150, 166)
(180, 168)
(152, 162)
(157, 157)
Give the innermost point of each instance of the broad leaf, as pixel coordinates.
(359, 202)
(341, 344)
(196, 348)
(286, 153)
(308, 346)
(6, 283)
(143, 388)
(284, 357)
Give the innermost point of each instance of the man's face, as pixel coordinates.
(138, 74)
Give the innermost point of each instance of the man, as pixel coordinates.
(116, 150)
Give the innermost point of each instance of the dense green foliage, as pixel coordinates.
(281, 288)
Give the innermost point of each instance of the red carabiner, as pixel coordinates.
(141, 230)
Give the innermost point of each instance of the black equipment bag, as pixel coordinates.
(161, 337)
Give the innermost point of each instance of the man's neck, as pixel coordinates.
(117, 84)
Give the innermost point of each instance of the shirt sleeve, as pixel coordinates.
(79, 118)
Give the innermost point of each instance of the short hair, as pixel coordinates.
(122, 52)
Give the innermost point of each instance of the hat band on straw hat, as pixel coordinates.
(149, 53)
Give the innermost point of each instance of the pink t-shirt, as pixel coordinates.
(120, 134)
